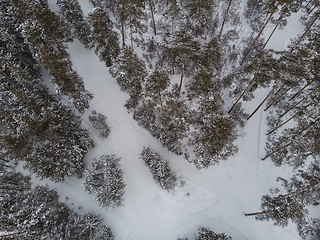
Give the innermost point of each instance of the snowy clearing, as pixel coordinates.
(216, 197)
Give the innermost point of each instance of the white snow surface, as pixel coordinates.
(216, 197)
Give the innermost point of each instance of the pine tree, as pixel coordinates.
(130, 72)
(180, 50)
(72, 12)
(301, 191)
(213, 140)
(103, 38)
(98, 121)
(159, 168)
(207, 234)
(39, 130)
(37, 213)
(46, 34)
(211, 55)
(104, 179)
(199, 16)
(171, 125)
(174, 16)
(155, 84)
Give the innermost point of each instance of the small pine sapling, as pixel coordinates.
(99, 122)
(159, 168)
(104, 179)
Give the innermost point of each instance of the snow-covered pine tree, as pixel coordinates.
(207, 234)
(200, 16)
(159, 168)
(211, 55)
(130, 72)
(47, 34)
(213, 141)
(72, 12)
(103, 38)
(180, 50)
(38, 129)
(104, 179)
(173, 17)
(37, 213)
(98, 121)
(301, 191)
(155, 84)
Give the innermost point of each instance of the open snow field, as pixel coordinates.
(216, 197)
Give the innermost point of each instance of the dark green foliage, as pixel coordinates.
(157, 82)
(130, 72)
(51, 25)
(71, 11)
(46, 35)
(145, 114)
(99, 122)
(173, 17)
(104, 179)
(199, 16)
(202, 84)
(103, 38)
(37, 213)
(281, 209)
(180, 50)
(213, 140)
(207, 234)
(37, 129)
(301, 191)
(211, 55)
(69, 82)
(159, 168)
(13, 183)
(171, 125)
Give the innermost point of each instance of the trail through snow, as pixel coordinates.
(217, 197)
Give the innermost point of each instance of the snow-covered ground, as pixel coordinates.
(216, 197)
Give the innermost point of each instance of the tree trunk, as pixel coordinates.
(115, 53)
(292, 107)
(257, 213)
(160, 99)
(302, 89)
(224, 19)
(282, 124)
(271, 14)
(254, 77)
(130, 24)
(274, 29)
(274, 88)
(4, 165)
(301, 190)
(277, 150)
(152, 15)
(308, 28)
(10, 188)
(287, 120)
(122, 33)
(182, 72)
(275, 101)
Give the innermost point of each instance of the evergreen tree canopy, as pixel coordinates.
(37, 213)
(103, 38)
(104, 179)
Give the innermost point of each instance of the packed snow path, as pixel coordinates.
(216, 197)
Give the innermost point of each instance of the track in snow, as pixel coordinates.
(215, 198)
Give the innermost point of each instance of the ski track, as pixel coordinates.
(216, 197)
